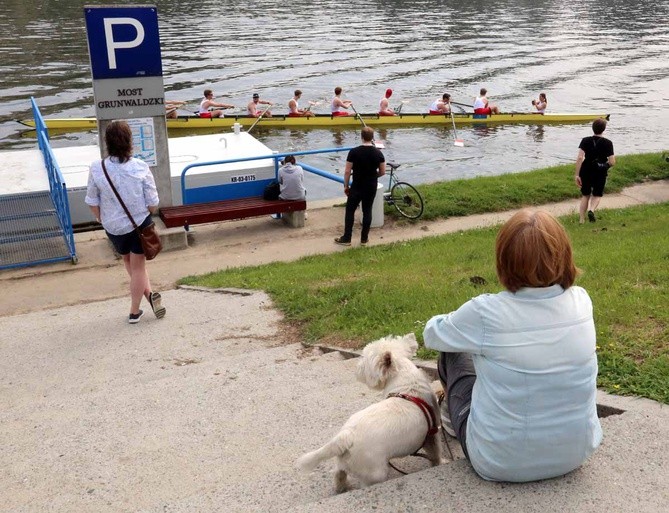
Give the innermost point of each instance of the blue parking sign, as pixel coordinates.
(123, 42)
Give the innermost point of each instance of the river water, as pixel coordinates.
(586, 55)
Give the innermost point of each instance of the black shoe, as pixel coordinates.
(134, 318)
(342, 241)
(591, 216)
(363, 242)
(155, 300)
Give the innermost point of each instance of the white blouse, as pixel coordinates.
(135, 184)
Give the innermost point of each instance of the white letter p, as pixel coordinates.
(109, 37)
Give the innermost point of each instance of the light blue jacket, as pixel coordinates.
(533, 413)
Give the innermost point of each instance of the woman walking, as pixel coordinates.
(134, 182)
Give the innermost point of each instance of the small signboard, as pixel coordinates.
(144, 139)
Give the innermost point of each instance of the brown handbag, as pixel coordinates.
(148, 236)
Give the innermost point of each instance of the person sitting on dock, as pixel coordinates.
(253, 110)
(441, 106)
(291, 180)
(541, 103)
(294, 110)
(384, 105)
(482, 106)
(208, 103)
(338, 105)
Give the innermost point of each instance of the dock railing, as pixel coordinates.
(186, 200)
(57, 185)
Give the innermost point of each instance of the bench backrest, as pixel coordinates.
(225, 191)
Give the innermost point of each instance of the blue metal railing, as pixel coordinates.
(276, 157)
(56, 183)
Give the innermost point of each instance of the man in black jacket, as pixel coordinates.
(595, 158)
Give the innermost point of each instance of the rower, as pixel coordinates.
(541, 103)
(171, 107)
(338, 105)
(441, 106)
(384, 105)
(253, 110)
(208, 102)
(482, 106)
(294, 110)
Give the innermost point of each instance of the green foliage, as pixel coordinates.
(532, 188)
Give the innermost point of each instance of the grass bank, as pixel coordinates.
(353, 297)
(538, 187)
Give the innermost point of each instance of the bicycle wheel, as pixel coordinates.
(407, 200)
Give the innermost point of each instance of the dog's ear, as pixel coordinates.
(384, 365)
(412, 343)
(386, 362)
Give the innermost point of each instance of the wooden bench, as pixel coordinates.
(240, 208)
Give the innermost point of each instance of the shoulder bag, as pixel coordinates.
(148, 236)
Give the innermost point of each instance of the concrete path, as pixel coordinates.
(207, 409)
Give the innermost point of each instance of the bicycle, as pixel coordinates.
(402, 195)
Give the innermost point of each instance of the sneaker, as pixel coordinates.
(591, 216)
(275, 216)
(363, 242)
(155, 300)
(342, 241)
(134, 318)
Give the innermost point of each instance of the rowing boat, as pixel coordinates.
(328, 121)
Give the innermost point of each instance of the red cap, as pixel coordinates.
(389, 93)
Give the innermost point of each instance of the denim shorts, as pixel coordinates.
(129, 242)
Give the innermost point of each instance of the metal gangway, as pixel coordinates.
(35, 227)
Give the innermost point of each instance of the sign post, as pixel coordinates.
(124, 48)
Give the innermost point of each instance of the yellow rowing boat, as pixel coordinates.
(327, 121)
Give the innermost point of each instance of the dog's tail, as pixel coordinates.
(335, 447)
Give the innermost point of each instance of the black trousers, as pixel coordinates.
(364, 195)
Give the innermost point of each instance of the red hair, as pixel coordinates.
(533, 250)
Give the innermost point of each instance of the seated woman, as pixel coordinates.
(541, 103)
(519, 367)
(291, 180)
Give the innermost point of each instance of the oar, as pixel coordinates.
(259, 118)
(463, 104)
(377, 144)
(456, 141)
(359, 116)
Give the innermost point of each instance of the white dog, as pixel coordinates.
(393, 428)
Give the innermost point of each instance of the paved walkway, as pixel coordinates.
(207, 410)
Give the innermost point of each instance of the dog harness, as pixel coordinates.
(432, 426)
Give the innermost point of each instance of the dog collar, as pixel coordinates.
(432, 427)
